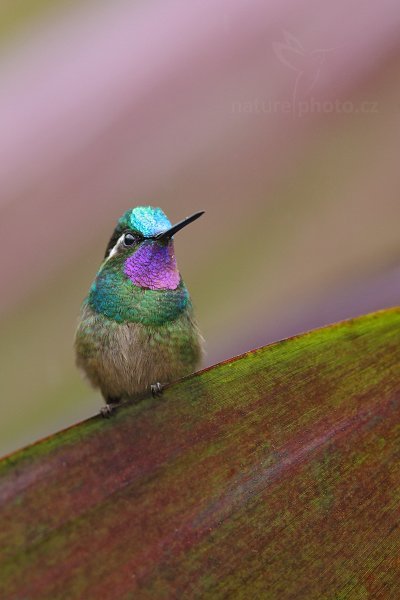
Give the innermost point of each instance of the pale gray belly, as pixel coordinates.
(123, 360)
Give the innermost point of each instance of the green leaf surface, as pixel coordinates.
(272, 475)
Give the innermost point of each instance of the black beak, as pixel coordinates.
(166, 235)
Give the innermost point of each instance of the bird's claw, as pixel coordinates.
(156, 389)
(107, 410)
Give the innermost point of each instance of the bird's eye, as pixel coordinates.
(129, 239)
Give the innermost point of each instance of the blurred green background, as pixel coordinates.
(281, 121)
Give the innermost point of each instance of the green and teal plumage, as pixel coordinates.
(137, 325)
(115, 297)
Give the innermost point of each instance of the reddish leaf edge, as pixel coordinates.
(11, 458)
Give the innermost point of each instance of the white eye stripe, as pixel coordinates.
(115, 248)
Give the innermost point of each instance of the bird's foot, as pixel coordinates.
(156, 389)
(107, 410)
(110, 407)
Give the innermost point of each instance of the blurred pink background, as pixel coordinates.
(280, 119)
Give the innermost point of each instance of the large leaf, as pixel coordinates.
(273, 475)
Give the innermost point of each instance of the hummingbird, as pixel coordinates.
(137, 331)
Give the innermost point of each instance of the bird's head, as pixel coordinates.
(142, 246)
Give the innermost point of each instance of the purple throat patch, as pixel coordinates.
(153, 266)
